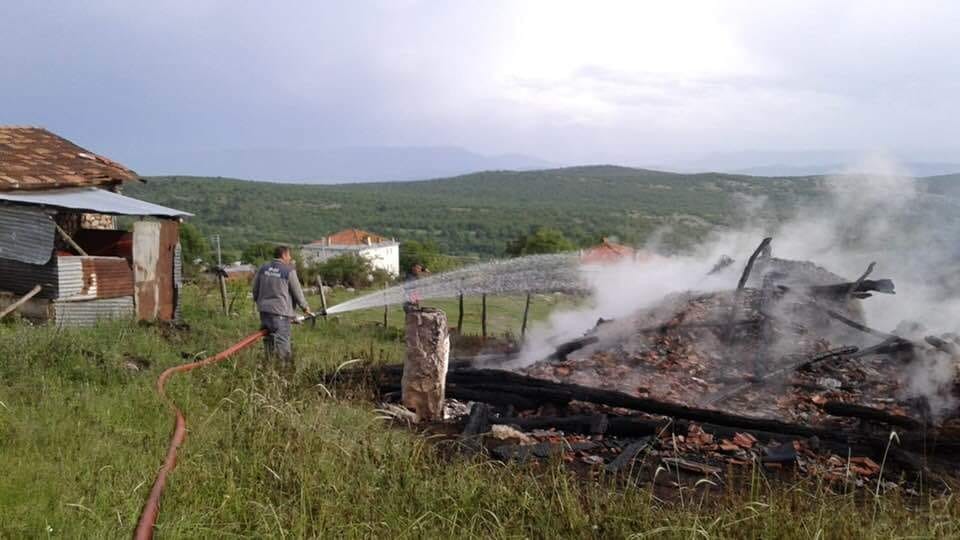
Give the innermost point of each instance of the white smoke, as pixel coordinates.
(885, 216)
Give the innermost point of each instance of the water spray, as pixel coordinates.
(533, 273)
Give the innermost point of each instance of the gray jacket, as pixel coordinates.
(277, 290)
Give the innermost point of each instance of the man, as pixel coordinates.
(276, 290)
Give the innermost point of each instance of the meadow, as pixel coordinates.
(82, 433)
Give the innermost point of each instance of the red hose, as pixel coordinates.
(148, 517)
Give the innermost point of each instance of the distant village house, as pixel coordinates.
(58, 231)
(608, 252)
(383, 253)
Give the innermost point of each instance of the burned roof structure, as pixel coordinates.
(59, 241)
(779, 372)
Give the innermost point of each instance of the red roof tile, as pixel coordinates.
(607, 251)
(34, 158)
(352, 237)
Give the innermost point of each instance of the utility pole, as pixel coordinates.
(216, 237)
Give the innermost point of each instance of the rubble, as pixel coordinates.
(781, 373)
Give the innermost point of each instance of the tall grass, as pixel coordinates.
(273, 455)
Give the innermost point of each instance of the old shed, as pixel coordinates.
(59, 230)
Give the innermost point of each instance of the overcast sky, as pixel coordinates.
(630, 82)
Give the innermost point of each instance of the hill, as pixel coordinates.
(476, 214)
(353, 164)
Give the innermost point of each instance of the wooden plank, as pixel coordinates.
(23, 300)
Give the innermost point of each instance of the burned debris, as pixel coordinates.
(781, 372)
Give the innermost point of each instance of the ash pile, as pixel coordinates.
(780, 372)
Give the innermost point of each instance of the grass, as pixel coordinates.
(81, 438)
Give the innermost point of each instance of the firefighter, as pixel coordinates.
(277, 291)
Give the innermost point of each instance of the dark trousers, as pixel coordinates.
(277, 342)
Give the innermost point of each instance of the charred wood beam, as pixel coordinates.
(467, 393)
(628, 454)
(762, 349)
(856, 284)
(541, 450)
(571, 346)
(890, 345)
(547, 391)
(841, 290)
(851, 323)
(478, 423)
(941, 345)
(839, 408)
(590, 424)
(826, 355)
(803, 364)
(764, 247)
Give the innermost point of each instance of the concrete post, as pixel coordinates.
(425, 367)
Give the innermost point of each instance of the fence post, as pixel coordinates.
(483, 316)
(526, 311)
(460, 316)
(323, 296)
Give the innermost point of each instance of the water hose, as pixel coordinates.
(148, 516)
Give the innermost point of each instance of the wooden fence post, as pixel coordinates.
(223, 290)
(386, 306)
(526, 311)
(483, 316)
(323, 296)
(460, 316)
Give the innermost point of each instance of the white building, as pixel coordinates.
(383, 253)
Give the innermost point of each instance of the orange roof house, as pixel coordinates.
(607, 252)
(352, 237)
(383, 253)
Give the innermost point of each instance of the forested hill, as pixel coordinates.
(475, 214)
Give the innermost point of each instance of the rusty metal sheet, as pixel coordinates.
(106, 277)
(166, 282)
(177, 281)
(146, 254)
(89, 312)
(26, 234)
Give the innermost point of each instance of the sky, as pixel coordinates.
(633, 82)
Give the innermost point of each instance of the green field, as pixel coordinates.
(82, 435)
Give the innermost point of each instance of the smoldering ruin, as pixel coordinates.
(779, 370)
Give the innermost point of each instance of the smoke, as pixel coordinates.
(852, 220)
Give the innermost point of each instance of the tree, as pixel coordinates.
(193, 243)
(426, 254)
(351, 270)
(258, 253)
(543, 240)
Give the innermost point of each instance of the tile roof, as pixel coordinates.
(607, 251)
(34, 158)
(352, 237)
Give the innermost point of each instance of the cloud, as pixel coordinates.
(567, 81)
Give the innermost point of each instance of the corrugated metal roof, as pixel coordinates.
(34, 158)
(91, 200)
(26, 234)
